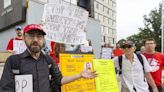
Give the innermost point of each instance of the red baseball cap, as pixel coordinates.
(32, 27)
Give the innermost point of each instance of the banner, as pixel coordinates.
(19, 46)
(106, 81)
(65, 23)
(72, 64)
(23, 83)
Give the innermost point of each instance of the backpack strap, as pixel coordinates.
(49, 62)
(120, 64)
(141, 61)
(15, 64)
(53, 86)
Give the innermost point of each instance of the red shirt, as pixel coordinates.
(52, 53)
(117, 52)
(10, 43)
(156, 62)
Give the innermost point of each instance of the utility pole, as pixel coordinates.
(162, 25)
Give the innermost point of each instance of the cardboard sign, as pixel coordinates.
(106, 80)
(23, 83)
(106, 53)
(73, 64)
(19, 46)
(65, 23)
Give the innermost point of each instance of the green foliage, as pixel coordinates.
(151, 29)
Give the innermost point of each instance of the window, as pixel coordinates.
(108, 11)
(104, 38)
(102, 29)
(109, 21)
(106, 1)
(113, 14)
(113, 40)
(100, 18)
(97, 5)
(106, 20)
(101, 7)
(112, 23)
(105, 9)
(96, 15)
(109, 30)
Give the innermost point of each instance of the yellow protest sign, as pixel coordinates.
(73, 64)
(106, 80)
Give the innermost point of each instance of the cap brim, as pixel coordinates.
(37, 30)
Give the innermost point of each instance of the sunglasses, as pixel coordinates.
(126, 46)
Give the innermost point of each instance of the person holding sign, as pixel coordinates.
(33, 62)
(135, 73)
(18, 31)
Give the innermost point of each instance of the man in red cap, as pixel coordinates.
(9, 47)
(34, 62)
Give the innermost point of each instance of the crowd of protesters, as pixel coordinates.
(140, 71)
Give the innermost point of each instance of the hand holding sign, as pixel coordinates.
(88, 74)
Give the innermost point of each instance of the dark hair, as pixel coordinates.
(150, 39)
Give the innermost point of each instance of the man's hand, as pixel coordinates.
(88, 74)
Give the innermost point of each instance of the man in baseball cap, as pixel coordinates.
(10, 45)
(38, 65)
(18, 28)
(33, 27)
(128, 44)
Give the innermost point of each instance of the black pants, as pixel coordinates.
(159, 89)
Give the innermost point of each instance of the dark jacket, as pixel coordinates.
(39, 70)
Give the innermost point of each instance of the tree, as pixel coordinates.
(151, 29)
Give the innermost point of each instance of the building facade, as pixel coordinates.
(105, 12)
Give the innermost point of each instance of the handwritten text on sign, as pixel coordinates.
(106, 80)
(19, 46)
(23, 83)
(65, 23)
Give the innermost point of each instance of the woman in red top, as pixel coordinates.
(57, 48)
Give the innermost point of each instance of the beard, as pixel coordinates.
(34, 47)
(19, 34)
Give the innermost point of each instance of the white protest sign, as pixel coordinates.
(23, 83)
(85, 48)
(19, 46)
(64, 23)
(106, 53)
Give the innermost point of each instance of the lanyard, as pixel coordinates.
(146, 55)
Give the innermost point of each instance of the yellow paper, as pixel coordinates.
(73, 64)
(106, 80)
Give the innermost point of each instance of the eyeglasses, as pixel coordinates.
(32, 36)
(126, 46)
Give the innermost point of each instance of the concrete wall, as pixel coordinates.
(94, 34)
